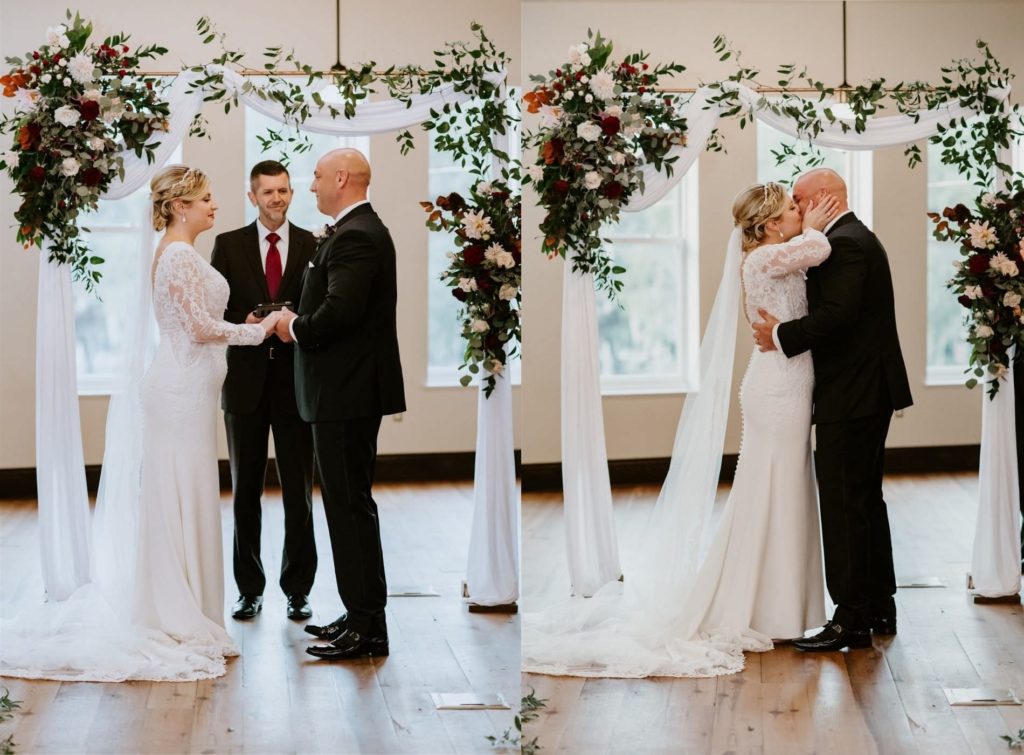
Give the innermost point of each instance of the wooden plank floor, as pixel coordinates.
(887, 699)
(275, 698)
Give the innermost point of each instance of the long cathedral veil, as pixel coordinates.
(644, 628)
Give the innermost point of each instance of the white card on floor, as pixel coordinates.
(920, 582)
(413, 591)
(468, 701)
(981, 696)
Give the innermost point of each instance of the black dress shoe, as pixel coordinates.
(834, 637)
(883, 625)
(331, 631)
(247, 606)
(350, 645)
(298, 607)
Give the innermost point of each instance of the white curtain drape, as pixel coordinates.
(63, 500)
(591, 544)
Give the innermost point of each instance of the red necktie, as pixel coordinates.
(273, 265)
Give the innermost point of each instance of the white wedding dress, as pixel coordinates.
(762, 578)
(170, 624)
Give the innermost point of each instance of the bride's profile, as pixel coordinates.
(154, 609)
(761, 579)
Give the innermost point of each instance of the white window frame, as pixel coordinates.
(687, 241)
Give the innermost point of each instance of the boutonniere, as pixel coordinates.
(325, 232)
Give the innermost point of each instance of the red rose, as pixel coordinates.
(473, 255)
(484, 283)
(641, 89)
(56, 58)
(459, 294)
(610, 125)
(964, 301)
(122, 73)
(492, 342)
(37, 174)
(92, 176)
(124, 48)
(35, 69)
(149, 85)
(561, 186)
(35, 55)
(90, 110)
(977, 263)
(645, 66)
(579, 75)
(613, 190)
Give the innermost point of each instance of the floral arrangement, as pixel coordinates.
(485, 273)
(77, 106)
(990, 278)
(601, 122)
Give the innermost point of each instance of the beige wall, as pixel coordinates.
(396, 31)
(897, 40)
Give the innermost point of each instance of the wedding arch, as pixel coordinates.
(90, 124)
(612, 140)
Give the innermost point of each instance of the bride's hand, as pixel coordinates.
(269, 322)
(820, 214)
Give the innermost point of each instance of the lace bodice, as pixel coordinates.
(189, 297)
(774, 275)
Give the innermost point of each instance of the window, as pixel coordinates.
(650, 343)
(445, 347)
(100, 317)
(947, 349)
(303, 211)
(854, 167)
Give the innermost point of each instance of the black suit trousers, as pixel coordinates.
(854, 522)
(247, 445)
(346, 452)
(1018, 409)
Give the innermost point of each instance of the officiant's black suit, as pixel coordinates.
(348, 375)
(259, 396)
(859, 380)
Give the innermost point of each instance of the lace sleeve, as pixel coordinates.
(809, 249)
(182, 281)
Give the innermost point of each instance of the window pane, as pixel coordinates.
(948, 349)
(647, 340)
(303, 211)
(445, 346)
(769, 139)
(99, 318)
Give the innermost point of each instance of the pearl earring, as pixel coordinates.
(183, 218)
(780, 233)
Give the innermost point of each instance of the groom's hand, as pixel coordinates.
(763, 330)
(282, 325)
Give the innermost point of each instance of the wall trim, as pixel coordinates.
(544, 478)
(395, 468)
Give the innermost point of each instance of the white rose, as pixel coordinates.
(9, 158)
(467, 284)
(958, 265)
(497, 368)
(630, 131)
(603, 85)
(507, 292)
(70, 166)
(479, 326)
(92, 94)
(66, 115)
(1011, 299)
(983, 331)
(575, 53)
(535, 172)
(81, 67)
(66, 81)
(46, 78)
(589, 98)
(614, 111)
(584, 59)
(505, 260)
(617, 158)
(96, 144)
(55, 36)
(569, 94)
(588, 131)
(972, 292)
(592, 180)
(1000, 371)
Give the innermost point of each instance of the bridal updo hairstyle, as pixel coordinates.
(755, 206)
(175, 182)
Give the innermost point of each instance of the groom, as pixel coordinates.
(859, 381)
(347, 376)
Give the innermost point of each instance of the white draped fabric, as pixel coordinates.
(63, 500)
(592, 548)
(995, 562)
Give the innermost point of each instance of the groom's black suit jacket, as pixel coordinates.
(347, 364)
(236, 256)
(850, 329)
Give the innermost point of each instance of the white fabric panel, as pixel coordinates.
(60, 469)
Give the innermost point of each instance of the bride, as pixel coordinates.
(762, 576)
(173, 628)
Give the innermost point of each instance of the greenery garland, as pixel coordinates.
(78, 105)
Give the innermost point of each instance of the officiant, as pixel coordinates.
(263, 263)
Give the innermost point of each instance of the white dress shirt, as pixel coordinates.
(825, 230)
(282, 243)
(337, 219)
